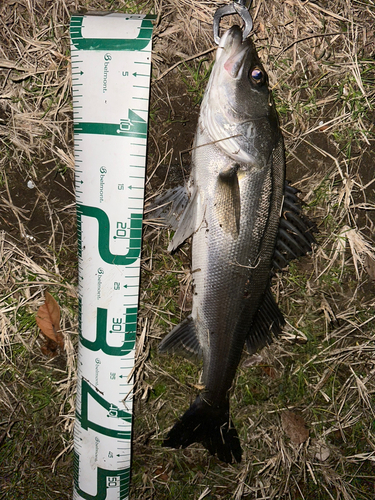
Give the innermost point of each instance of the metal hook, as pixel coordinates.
(237, 7)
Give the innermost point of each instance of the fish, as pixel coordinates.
(245, 223)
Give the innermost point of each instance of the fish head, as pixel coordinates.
(238, 110)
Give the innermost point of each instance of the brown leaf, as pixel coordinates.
(270, 371)
(161, 473)
(257, 360)
(48, 320)
(294, 427)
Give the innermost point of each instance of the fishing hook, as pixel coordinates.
(237, 7)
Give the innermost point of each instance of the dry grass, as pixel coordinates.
(321, 68)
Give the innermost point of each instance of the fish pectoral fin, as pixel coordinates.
(188, 223)
(268, 321)
(168, 207)
(228, 201)
(182, 340)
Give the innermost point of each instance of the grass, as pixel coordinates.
(196, 78)
(322, 366)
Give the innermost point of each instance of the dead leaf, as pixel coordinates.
(370, 266)
(257, 360)
(322, 451)
(199, 387)
(253, 360)
(48, 320)
(161, 473)
(270, 371)
(294, 427)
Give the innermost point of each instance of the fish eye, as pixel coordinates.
(257, 75)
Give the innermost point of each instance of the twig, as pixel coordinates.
(195, 56)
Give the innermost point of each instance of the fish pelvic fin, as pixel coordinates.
(188, 223)
(183, 340)
(176, 208)
(168, 207)
(209, 425)
(228, 202)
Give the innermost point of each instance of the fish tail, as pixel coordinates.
(209, 425)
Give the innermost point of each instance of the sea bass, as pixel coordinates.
(232, 208)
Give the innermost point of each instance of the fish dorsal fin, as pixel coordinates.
(268, 321)
(228, 202)
(182, 340)
(295, 235)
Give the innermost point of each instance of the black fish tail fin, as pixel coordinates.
(209, 425)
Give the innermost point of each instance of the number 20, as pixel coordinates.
(121, 230)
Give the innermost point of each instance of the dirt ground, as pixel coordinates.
(320, 57)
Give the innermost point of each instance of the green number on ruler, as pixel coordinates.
(105, 479)
(139, 43)
(113, 411)
(135, 237)
(100, 342)
(133, 126)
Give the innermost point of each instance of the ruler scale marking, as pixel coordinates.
(105, 52)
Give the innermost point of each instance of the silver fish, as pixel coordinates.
(232, 207)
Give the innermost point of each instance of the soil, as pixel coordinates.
(172, 130)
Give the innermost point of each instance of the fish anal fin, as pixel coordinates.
(228, 201)
(182, 340)
(268, 322)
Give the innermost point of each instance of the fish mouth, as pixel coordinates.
(233, 50)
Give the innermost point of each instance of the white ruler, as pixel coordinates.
(111, 64)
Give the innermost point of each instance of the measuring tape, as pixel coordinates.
(111, 65)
